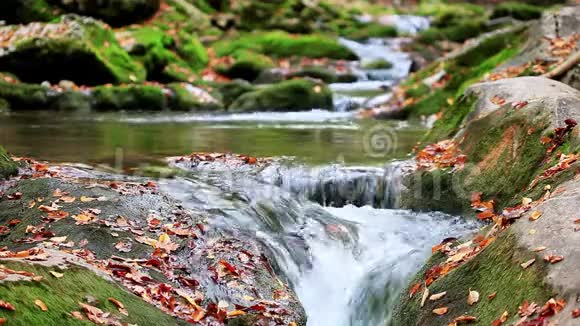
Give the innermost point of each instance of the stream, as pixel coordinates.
(326, 209)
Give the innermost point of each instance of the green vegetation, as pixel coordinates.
(135, 97)
(248, 65)
(460, 32)
(365, 31)
(7, 166)
(315, 72)
(517, 10)
(26, 11)
(495, 270)
(295, 95)
(377, 64)
(62, 296)
(282, 44)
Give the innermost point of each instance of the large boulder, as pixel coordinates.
(171, 256)
(82, 50)
(292, 95)
(515, 160)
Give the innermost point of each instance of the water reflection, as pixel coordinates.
(315, 138)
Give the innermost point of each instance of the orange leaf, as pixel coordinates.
(41, 305)
(414, 289)
(6, 305)
(440, 311)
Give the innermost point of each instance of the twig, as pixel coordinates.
(561, 69)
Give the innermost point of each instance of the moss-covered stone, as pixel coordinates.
(371, 30)
(315, 72)
(114, 12)
(134, 97)
(192, 51)
(27, 11)
(231, 91)
(7, 166)
(77, 49)
(282, 44)
(517, 10)
(293, 95)
(460, 32)
(495, 270)
(248, 65)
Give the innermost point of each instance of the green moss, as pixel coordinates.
(27, 11)
(495, 270)
(134, 97)
(377, 64)
(315, 72)
(248, 65)
(292, 95)
(371, 30)
(460, 32)
(451, 121)
(446, 15)
(282, 44)
(231, 91)
(62, 296)
(192, 51)
(517, 10)
(7, 166)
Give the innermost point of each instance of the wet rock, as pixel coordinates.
(176, 250)
(520, 139)
(78, 49)
(114, 12)
(292, 95)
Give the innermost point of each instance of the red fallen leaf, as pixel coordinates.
(258, 307)
(150, 184)
(13, 222)
(15, 196)
(229, 267)
(527, 309)
(552, 307)
(575, 313)
(552, 259)
(6, 305)
(189, 282)
(485, 215)
(414, 289)
(519, 105)
(201, 228)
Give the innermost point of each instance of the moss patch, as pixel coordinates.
(282, 44)
(495, 270)
(7, 166)
(293, 95)
(135, 97)
(517, 10)
(62, 295)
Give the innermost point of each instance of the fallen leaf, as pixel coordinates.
(552, 259)
(575, 313)
(535, 215)
(440, 311)
(526, 201)
(527, 309)
(463, 319)
(7, 305)
(425, 296)
(119, 306)
(472, 297)
(528, 263)
(437, 296)
(236, 313)
(86, 199)
(414, 289)
(41, 305)
(491, 296)
(538, 249)
(56, 274)
(77, 315)
(552, 307)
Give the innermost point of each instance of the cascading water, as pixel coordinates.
(347, 264)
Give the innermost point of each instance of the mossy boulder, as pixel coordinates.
(231, 91)
(7, 166)
(316, 72)
(517, 10)
(282, 44)
(247, 65)
(101, 240)
(27, 11)
(114, 12)
(366, 31)
(292, 95)
(495, 270)
(502, 143)
(82, 50)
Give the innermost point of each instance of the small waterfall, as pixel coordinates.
(338, 186)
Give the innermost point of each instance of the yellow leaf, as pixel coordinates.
(535, 215)
(236, 313)
(164, 238)
(472, 298)
(41, 305)
(86, 199)
(528, 263)
(56, 274)
(425, 296)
